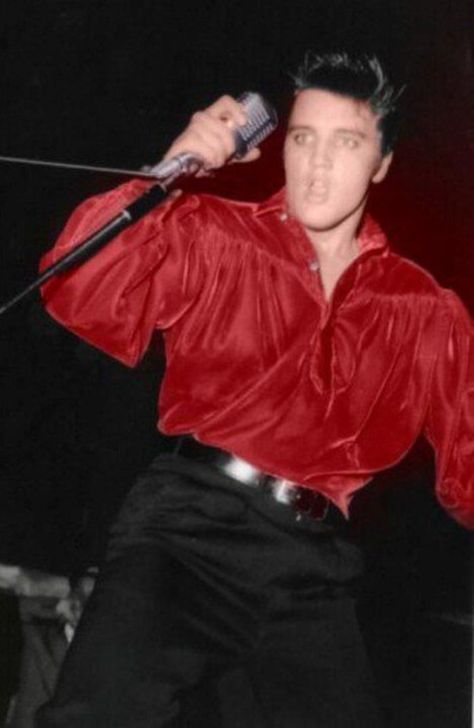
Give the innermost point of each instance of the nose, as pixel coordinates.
(321, 155)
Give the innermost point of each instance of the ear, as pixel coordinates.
(382, 168)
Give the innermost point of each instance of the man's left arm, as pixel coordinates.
(450, 417)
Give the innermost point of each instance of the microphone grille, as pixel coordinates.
(261, 121)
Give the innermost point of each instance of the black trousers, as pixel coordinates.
(207, 578)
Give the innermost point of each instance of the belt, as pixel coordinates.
(303, 501)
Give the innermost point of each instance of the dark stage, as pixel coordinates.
(110, 83)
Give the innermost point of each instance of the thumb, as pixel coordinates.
(249, 157)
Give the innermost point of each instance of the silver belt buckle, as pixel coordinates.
(293, 495)
(283, 491)
(242, 471)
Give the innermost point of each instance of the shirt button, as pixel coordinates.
(283, 216)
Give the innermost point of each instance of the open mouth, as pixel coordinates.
(318, 189)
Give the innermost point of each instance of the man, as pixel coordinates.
(302, 357)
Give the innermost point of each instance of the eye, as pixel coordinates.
(301, 137)
(351, 142)
(348, 142)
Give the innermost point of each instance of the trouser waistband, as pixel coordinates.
(303, 501)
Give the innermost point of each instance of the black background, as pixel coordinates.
(110, 83)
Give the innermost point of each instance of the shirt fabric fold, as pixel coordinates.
(323, 393)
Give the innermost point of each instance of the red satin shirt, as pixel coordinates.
(324, 394)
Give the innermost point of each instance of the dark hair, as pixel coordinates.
(359, 77)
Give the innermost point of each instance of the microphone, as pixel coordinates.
(261, 121)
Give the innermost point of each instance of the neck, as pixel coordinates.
(335, 250)
(338, 244)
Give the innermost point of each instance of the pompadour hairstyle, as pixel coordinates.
(359, 77)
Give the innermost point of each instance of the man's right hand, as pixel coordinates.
(210, 134)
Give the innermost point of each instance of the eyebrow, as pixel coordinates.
(354, 132)
(340, 130)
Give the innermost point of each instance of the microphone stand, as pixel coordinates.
(261, 121)
(167, 172)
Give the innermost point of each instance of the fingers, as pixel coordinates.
(249, 157)
(210, 133)
(229, 110)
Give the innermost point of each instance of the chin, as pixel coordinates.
(325, 218)
(317, 217)
(319, 223)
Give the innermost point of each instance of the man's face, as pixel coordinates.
(332, 154)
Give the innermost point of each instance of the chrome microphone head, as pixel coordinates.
(262, 119)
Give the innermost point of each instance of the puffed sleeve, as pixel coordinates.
(145, 278)
(450, 416)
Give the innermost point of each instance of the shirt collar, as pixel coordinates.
(370, 236)
(275, 203)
